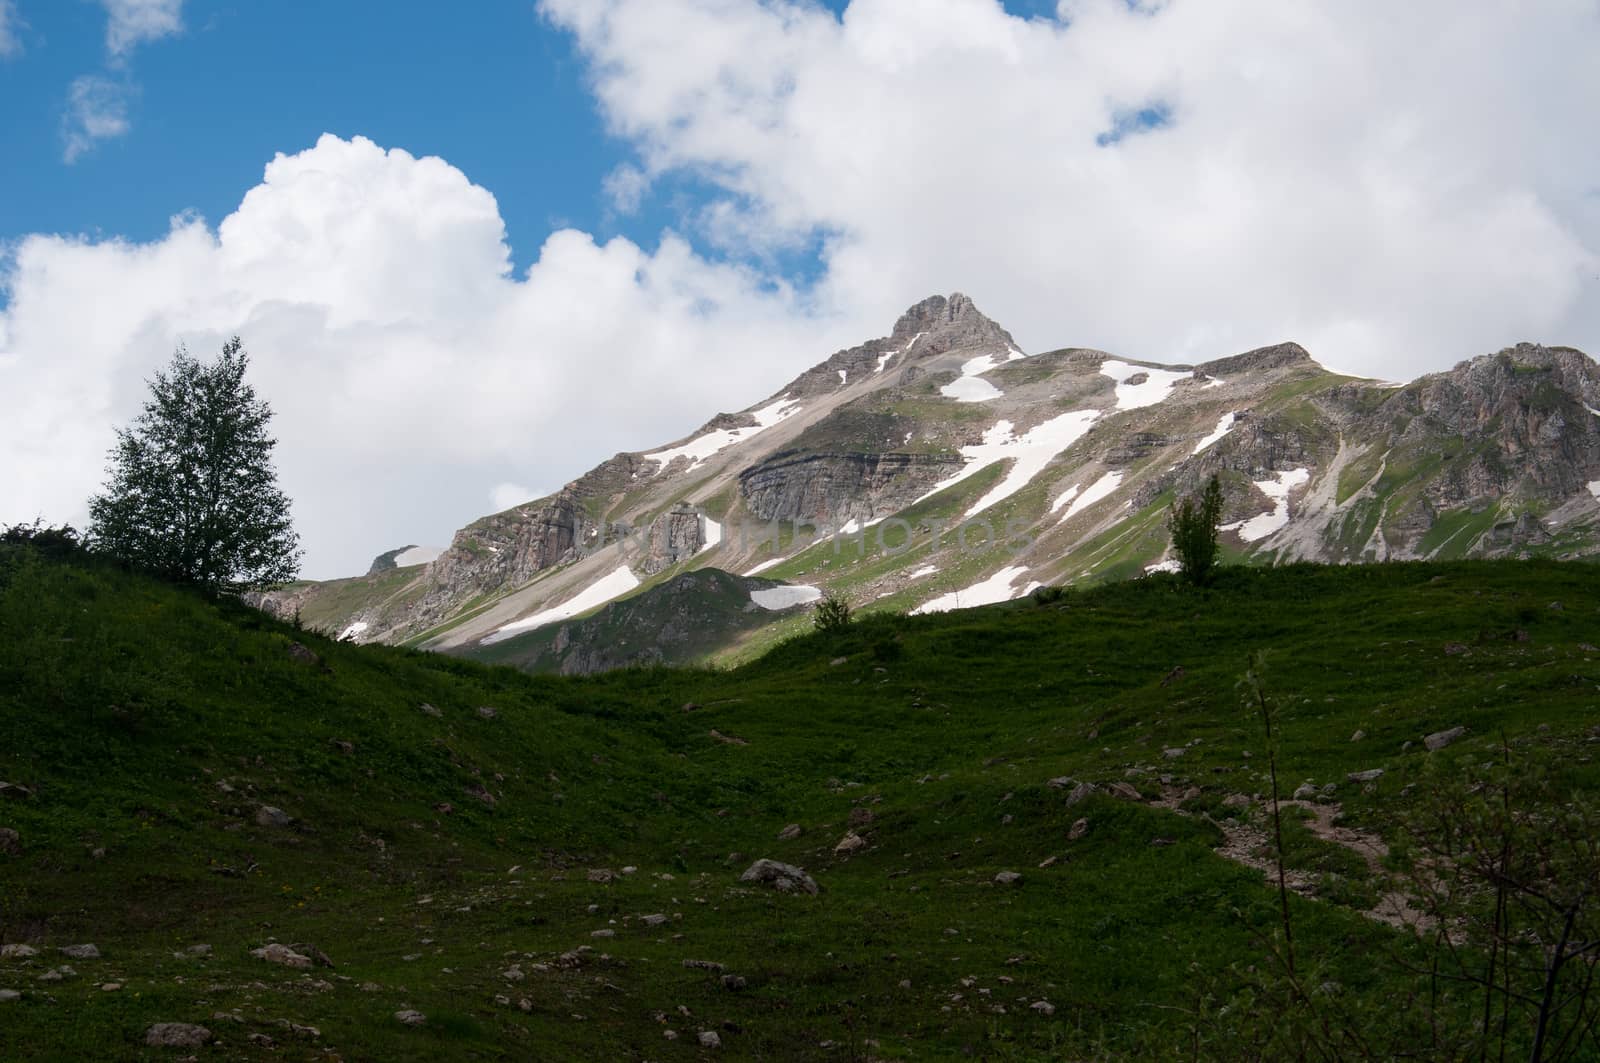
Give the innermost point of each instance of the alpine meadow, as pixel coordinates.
(551, 570)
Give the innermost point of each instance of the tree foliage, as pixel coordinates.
(832, 613)
(191, 493)
(1193, 523)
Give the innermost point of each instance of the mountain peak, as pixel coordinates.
(948, 324)
(1277, 356)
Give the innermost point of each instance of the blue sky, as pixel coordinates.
(1396, 187)
(501, 94)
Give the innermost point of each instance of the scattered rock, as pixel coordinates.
(1172, 676)
(1174, 753)
(601, 875)
(300, 655)
(262, 1040)
(181, 1034)
(268, 816)
(429, 710)
(850, 843)
(731, 740)
(283, 954)
(10, 842)
(604, 933)
(709, 1039)
(1124, 791)
(79, 952)
(8, 995)
(705, 965)
(1236, 801)
(1439, 739)
(17, 952)
(1061, 782)
(1305, 791)
(1079, 828)
(790, 832)
(1455, 649)
(785, 878)
(1358, 736)
(347, 748)
(318, 957)
(1043, 1007)
(653, 920)
(1370, 775)
(488, 712)
(859, 816)
(1080, 792)
(444, 808)
(733, 982)
(410, 1018)
(110, 987)
(12, 790)
(58, 974)
(1007, 878)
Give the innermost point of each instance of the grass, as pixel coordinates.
(152, 724)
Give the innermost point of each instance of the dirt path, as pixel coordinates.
(1248, 842)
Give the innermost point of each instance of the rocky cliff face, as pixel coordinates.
(675, 537)
(831, 490)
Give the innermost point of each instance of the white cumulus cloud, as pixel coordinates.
(410, 369)
(1395, 186)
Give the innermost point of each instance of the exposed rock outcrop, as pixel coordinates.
(832, 489)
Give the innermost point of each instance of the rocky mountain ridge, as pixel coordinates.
(853, 476)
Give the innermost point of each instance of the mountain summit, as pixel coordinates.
(939, 467)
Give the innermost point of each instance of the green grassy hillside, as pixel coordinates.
(448, 860)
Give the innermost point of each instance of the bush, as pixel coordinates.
(1193, 523)
(55, 541)
(832, 613)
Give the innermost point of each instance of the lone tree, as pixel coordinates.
(190, 492)
(1194, 523)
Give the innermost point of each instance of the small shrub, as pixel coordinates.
(55, 541)
(832, 613)
(1193, 523)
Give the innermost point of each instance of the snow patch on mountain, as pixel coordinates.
(925, 570)
(1156, 386)
(702, 447)
(355, 630)
(1224, 426)
(997, 588)
(417, 555)
(1029, 454)
(776, 598)
(713, 535)
(883, 359)
(766, 565)
(1594, 485)
(613, 584)
(1277, 489)
(969, 386)
(1033, 451)
(1095, 492)
(1171, 564)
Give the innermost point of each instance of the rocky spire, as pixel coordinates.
(949, 324)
